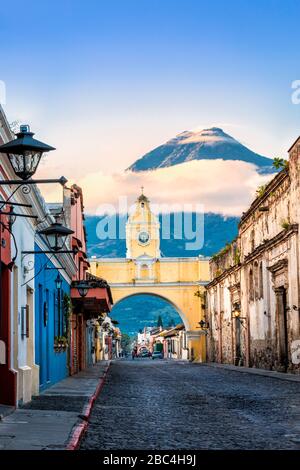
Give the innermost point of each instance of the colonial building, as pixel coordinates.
(19, 370)
(253, 299)
(93, 300)
(175, 343)
(45, 333)
(108, 340)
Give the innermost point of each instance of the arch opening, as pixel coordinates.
(138, 310)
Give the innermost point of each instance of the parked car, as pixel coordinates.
(145, 353)
(157, 355)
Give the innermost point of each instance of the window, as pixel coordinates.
(25, 322)
(221, 293)
(251, 287)
(59, 317)
(63, 316)
(252, 240)
(256, 280)
(144, 271)
(261, 281)
(55, 310)
(46, 309)
(40, 304)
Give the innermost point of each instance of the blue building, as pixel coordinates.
(52, 297)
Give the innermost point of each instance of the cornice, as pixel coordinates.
(156, 284)
(271, 186)
(223, 275)
(281, 236)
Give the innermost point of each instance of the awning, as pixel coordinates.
(97, 300)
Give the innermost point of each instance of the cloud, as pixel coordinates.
(225, 187)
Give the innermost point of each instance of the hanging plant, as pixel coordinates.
(67, 306)
(237, 257)
(60, 343)
(67, 310)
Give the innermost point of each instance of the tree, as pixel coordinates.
(159, 322)
(126, 343)
(261, 190)
(280, 163)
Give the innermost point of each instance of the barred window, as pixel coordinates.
(251, 285)
(261, 280)
(256, 280)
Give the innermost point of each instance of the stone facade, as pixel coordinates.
(253, 299)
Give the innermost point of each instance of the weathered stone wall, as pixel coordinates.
(255, 281)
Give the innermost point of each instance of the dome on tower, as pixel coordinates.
(142, 197)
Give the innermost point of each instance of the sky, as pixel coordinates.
(107, 81)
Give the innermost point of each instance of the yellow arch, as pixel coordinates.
(176, 280)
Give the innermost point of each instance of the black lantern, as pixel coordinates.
(203, 325)
(58, 282)
(56, 235)
(82, 288)
(236, 310)
(24, 153)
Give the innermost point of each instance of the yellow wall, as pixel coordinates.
(176, 270)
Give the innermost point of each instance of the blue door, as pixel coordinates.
(46, 322)
(41, 337)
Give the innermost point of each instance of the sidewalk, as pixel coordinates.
(57, 416)
(252, 370)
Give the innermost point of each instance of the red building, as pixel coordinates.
(8, 379)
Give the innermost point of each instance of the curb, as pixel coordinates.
(79, 430)
(255, 371)
(6, 411)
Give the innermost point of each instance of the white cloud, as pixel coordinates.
(225, 187)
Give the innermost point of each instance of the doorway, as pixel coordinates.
(281, 299)
(238, 355)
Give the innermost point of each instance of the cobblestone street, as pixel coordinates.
(167, 405)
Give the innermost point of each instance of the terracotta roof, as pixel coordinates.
(172, 331)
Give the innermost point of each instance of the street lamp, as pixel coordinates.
(56, 235)
(58, 282)
(204, 325)
(82, 288)
(24, 153)
(236, 310)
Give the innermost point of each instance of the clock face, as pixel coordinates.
(143, 238)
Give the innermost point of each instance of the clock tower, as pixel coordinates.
(142, 231)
